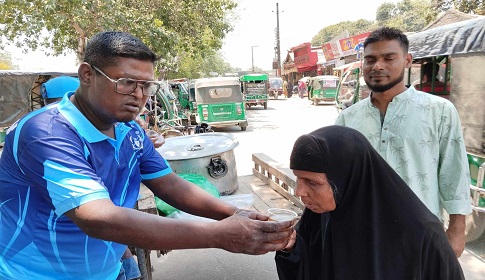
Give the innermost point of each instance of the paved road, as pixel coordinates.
(273, 132)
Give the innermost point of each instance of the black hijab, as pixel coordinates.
(379, 229)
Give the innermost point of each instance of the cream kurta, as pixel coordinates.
(421, 138)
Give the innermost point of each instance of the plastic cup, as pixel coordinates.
(281, 215)
(152, 133)
(157, 139)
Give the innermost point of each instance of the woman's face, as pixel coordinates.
(315, 191)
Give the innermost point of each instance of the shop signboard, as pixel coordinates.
(331, 50)
(347, 45)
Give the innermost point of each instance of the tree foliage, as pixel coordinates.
(167, 26)
(385, 12)
(6, 61)
(407, 15)
(466, 6)
(199, 66)
(353, 27)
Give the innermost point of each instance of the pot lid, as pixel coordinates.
(197, 145)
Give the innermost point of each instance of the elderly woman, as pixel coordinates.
(361, 219)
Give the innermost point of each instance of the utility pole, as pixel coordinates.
(252, 57)
(278, 55)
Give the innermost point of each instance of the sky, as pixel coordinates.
(254, 25)
(299, 22)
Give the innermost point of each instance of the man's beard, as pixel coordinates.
(386, 87)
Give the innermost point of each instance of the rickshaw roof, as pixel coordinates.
(217, 81)
(17, 90)
(462, 37)
(178, 80)
(304, 79)
(254, 77)
(326, 77)
(35, 73)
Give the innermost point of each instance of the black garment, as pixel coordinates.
(289, 87)
(379, 229)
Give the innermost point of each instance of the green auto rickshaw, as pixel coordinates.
(323, 88)
(255, 89)
(217, 102)
(352, 88)
(163, 114)
(180, 90)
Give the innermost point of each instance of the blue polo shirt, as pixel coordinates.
(55, 160)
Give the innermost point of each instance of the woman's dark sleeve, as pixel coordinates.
(306, 254)
(291, 266)
(439, 259)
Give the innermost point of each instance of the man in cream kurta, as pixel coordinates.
(418, 134)
(420, 137)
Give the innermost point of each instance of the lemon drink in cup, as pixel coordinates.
(281, 215)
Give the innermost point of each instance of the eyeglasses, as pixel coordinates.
(128, 86)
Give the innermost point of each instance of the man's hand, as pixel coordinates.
(291, 243)
(246, 233)
(251, 214)
(456, 233)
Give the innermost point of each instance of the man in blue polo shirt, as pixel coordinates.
(54, 89)
(70, 175)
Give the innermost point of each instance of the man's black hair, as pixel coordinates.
(388, 34)
(104, 48)
(428, 70)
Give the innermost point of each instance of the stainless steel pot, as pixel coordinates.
(207, 154)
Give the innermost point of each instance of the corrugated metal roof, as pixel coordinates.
(450, 16)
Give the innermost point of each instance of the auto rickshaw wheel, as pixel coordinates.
(265, 105)
(243, 128)
(475, 226)
(315, 102)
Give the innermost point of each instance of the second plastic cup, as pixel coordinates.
(157, 139)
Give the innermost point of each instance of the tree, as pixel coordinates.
(407, 15)
(385, 12)
(466, 6)
(6, 61)
(167, 26)
(199, 66)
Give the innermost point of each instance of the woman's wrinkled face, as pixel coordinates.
(315, 191)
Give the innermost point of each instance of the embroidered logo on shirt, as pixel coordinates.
(136, 141)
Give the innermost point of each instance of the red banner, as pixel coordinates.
(327, 52)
